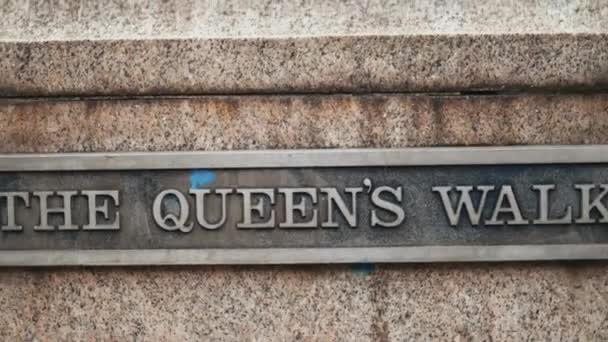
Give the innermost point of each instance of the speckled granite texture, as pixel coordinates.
(447, 302)
(522, 301)
(70, 50)
(44, 20)
(300, 65)
(183, 47)
(300, 121)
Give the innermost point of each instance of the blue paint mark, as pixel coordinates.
(364, 268)
(199, 178)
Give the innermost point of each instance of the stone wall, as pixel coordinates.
(558, 300)
(62, 95)
(536, 301)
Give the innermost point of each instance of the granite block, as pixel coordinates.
(127, 48)
(508, 301)
(51, 49)
(446, 302)
(46, 20)
(357, 64)
(299, 121)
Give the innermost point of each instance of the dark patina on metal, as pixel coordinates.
(395, 205)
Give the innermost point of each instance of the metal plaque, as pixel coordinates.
(305, 206)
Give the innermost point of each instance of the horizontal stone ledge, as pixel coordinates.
(352, 64)
(45, 20)
(191, 47)
(304, 121)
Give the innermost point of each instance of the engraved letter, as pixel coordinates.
(506, 192)
(102, 209)
(176, 223)
(587, 206)
(543, 207)
(333, 197)
(199, 195)
(11, 225)
(388, 206)
(300, 207)
(463, 201)
(65, 211)
(258, 208)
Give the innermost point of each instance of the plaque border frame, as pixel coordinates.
(424, 156)
(421, 156)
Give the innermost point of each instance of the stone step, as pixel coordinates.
(75, 48)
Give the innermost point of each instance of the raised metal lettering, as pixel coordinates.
(11, 225)
(170, 221)
(258, 208)
(464, 201)
(65, 211)
(587, 206)
(543, 207)
(388, 206)
(300, 207)
(506, 192)
(333, 197)
(92, 196)
(199, 197)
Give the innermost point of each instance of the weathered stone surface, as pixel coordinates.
(46, 20)
(546, 301)
(185, 47)
(313, 64)
(181, 47)
(307, 121)
(538, 301)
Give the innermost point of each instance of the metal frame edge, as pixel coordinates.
(424, 156)
(304, 158)
(249, 256)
